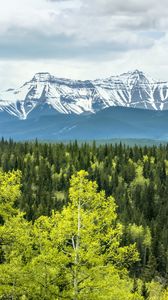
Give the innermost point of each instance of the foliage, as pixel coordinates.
(9, 192)
(73, 254)
(137, 177)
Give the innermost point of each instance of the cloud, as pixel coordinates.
(111, 7)
(83, 18)
(36, 45)
(83, 32)
(58, 0)
(64, 32)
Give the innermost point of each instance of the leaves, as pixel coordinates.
(73, 254)
(9, 192)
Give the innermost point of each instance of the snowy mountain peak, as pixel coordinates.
(42, 77)
(134, 72)
(137, 72)
(139, 75)
(131, 89)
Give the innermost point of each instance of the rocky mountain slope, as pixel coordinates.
(57, 95)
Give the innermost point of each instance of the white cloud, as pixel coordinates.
(82, 38)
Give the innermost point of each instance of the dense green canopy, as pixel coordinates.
(136, 177)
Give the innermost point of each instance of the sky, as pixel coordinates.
(82, 39)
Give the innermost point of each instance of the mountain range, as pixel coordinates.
(132, 89)
(130, 105)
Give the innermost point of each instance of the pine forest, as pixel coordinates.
(83, 221)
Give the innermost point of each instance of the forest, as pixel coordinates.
(83, 221)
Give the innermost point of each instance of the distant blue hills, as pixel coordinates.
(110, 123)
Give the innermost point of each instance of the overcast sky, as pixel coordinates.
(82, 39)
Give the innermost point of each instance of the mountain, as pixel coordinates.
(130, 105)
(49, 95)
(112, 122)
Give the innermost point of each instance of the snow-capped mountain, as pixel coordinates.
(132, 89)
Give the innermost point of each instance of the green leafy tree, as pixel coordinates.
(80, 247)
(74, 254)
(9, 193)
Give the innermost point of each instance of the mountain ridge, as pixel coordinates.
(112, 122)
(67, 96)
